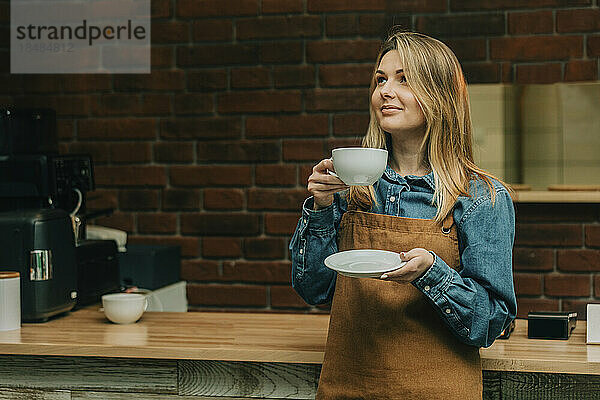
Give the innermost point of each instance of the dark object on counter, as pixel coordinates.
(28, 131)
(150, 266)
(97, 270)
(550, 324)
(40, 245)
(509, 329)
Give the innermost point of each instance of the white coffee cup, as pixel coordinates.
(359, 166)
(10, 301)
(124, 308)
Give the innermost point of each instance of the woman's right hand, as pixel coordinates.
(322, 185)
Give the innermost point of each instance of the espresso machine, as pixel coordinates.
(43, 216)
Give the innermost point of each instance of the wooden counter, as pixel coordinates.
(242, 354)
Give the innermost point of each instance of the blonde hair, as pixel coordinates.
(435, 77)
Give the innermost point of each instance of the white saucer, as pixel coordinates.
(364, 263)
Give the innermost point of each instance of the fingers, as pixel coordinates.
(323, 166)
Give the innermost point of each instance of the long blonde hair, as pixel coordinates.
(434, 75)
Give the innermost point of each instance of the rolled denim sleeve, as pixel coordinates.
(314, 239)
(479, 301)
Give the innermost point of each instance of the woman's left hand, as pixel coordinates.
(418, 261)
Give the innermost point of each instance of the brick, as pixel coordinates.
(341, 142)
(174, 152)
(250, 77)
(99, 151)
(130, 153)
(281, 223)
(341, 25)
(345, 75)
(337, 100)
(285, 296)
(281, 52)
(194, 103)
(160, 8)
(254, 151)
(468, 49)
(304, 150)
(115, 104)
(190, 246)
(350, 124)
(536, 48)
(579, 306)
(536, 74)
(462, 25)
(180, 199)
(564, 212)
(282, 126)
(125, 128)
(41, 84)
(260, 101)
(206, 80)
(138, 199)
(376, 24)
(156, 80)
(331, 51)
(217, 54)
(170, 32)
(65, 129)
(525, 305)
(257, 271)
(506, 72)
(162, 57)
(102, 198)
(593, 46)
(567, 285)
(532, 259)
(199, 270)
(523, 23)
(276, 199)
(592, 235)
(303, 174)
(294, 76)
(220, 224)
(416, 6)
(227, 295)
(275, 175)
(282, 6)
(118, 220)
(581, 70)
(130, 176)
(345, 5)
(157, 223)
(583, 20)
(223, 199)
(478, 5)
(201, 128)
(152, 104)
(64, 105)
(210, 176)
(580, 260)
(528, 284)
(86, 83)
(264, 248)
(215, 8)
(221, 247)
(212, 30)
(280, 27)
(548, 235)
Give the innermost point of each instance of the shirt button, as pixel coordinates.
(427, 288)
(304, 220)
(301, 251)
(392, 199)
(448, 311)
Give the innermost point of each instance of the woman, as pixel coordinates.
(415, 332)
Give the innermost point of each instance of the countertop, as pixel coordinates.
(262, 337)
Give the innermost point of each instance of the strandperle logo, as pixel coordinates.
(80, 36)
(82, 32)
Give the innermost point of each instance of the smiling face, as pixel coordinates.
(395, 105)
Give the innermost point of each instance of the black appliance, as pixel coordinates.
(40, 245)
(150, 266)
(28, 131)
(97, 270)
(550, 324)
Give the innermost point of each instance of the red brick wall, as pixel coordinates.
(212, 150)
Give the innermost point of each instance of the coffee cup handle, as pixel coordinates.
(332, 174)
(145, 303)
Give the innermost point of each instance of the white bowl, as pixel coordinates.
(124, 308)
(359, 166)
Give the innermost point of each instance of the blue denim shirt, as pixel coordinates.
(477, 303)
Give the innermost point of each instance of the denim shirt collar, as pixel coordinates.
(392, 176)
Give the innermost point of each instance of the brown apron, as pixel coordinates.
(385, 339)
